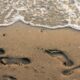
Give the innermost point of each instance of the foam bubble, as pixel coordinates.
(41, 13)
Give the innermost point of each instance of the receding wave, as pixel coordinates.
(41, 13)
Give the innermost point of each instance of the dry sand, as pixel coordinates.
(21, 40)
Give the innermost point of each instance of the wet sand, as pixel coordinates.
(21, 40)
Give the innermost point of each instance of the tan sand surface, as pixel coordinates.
(21, 40)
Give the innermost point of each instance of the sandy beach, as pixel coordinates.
(47, 51)
(21, 40)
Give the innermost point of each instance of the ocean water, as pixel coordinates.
(41, 13)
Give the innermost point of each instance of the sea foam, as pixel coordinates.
(41, 13)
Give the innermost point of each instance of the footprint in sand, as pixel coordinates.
(60, 55)
(7, 77)
(70, 71)
(14, 60)
(2, 51)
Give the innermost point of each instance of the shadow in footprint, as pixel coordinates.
(59, 53)
(14, 60)
(70, 71)
(7, 77)
(2, 51)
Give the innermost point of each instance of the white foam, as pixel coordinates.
(20, 6)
